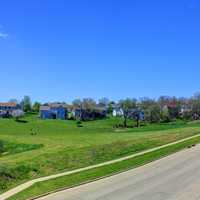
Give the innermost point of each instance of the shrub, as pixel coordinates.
(79, 124)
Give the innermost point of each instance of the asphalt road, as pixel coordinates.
(176, 177)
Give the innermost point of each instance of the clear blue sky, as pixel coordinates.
(64, 49)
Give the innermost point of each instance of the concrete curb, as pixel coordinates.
(28, 184)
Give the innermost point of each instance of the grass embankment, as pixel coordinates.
(96, 173)
(7, 148)
(66, 147)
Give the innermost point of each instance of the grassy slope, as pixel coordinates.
(67, 147)
(89, 175)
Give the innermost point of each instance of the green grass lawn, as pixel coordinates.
(61, 145)
(72, 180)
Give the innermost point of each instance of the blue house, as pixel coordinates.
(53, 111)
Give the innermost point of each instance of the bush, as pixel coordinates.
(79, 124)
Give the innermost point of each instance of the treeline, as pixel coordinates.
(163, 109)
(26, 104)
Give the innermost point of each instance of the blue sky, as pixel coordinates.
(61, 50)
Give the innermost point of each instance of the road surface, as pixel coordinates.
(176, 177)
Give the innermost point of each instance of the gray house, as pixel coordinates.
(90, 114)
(7, 109)
(53, 111)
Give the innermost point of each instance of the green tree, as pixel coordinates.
(26, 104)
(36, 107)
(111, 106)
(165, 116)
(155, 114)
(127, 106)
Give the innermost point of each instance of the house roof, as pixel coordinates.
(52, 105)
(44, 108)
(9, 104)
(57, 105)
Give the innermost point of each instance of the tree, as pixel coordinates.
(127, 106)
(187, 115)
(26, 104)
(165, 117)
(155, 113)
(77, 104)
(111, 106)
(17, 114)
(84, 107)
(89, 104)
(36, 107)
(145, 105)
(163, 101)
(196, 96)
(136, 115)
(104, 102)
(196, 109)
(146, 102)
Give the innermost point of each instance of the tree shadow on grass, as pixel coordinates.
(21, 121)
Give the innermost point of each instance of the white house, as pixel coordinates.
(117, 112)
